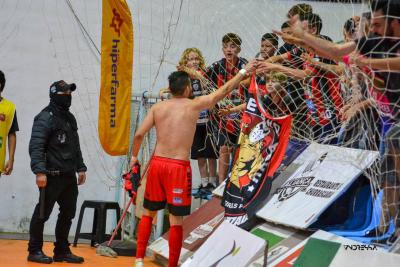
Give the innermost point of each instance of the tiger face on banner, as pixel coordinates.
(262, 144)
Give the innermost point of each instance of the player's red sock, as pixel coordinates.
(175, 244)
(143, 236)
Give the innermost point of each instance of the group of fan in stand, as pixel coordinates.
(324, 85)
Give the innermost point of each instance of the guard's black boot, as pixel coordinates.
(39, 257)
(68, 257)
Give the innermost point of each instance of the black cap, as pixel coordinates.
(61, 86)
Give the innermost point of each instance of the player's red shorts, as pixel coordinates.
(169, 181)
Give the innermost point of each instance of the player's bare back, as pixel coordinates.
(175, 122)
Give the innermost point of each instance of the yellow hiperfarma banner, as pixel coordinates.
(116, 77)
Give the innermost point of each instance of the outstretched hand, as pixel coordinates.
(289, 38)
(308, 58)
(251, 66)
(358, 60)
(223, 112)
(265, 67)
(344, 110)
(350, 112)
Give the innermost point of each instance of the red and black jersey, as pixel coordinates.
(219, 73)
(294, 57)
(322, 95)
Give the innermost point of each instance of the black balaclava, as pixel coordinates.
(63, 101)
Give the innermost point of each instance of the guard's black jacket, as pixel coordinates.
(54, 144)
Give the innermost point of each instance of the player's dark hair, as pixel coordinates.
(178, 81)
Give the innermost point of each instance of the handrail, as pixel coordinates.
(150, 97)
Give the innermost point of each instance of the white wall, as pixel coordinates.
(41, 42)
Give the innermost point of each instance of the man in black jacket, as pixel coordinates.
(55, 159)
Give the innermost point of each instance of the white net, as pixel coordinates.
(347, 104)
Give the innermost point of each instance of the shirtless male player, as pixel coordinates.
(169, 177)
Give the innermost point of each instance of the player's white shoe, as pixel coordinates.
(139, 263)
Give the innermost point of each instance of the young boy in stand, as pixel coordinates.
(219, 73)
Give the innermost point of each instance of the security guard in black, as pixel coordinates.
(56, 157)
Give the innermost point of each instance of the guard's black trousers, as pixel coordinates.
(62, 189)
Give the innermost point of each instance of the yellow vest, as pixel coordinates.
(7, 112)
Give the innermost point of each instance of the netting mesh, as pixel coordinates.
(333, 98)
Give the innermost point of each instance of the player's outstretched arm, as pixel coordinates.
(321, 46)
(209, 101)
